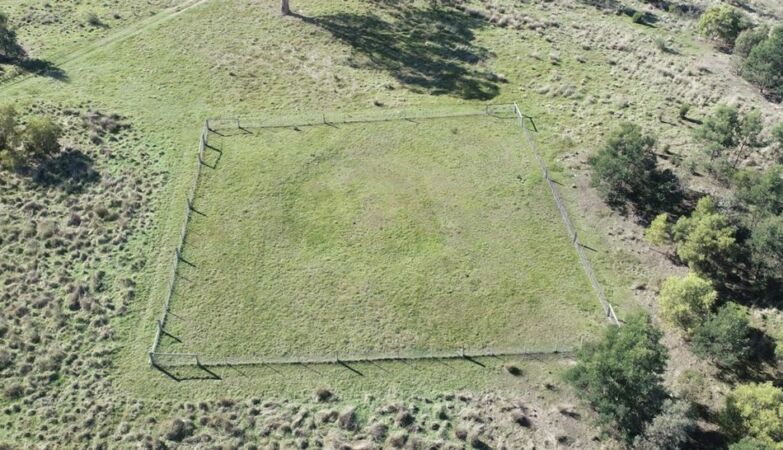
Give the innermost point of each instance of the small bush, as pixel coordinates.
(684, 110)
(40, 137)
(638, 17)
(722, 23)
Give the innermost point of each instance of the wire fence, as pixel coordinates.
(572, 233)
(161, 323)
(194, 359)
(223, 125)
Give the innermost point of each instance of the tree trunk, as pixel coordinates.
(285, 9)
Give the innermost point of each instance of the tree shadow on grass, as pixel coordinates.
(427, 47)
(43, 68)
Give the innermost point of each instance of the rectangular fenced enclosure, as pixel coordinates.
(401, 233)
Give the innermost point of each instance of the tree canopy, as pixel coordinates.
(620, 375)
(725, 337)
(764, 64)
(685, 301)
(723, 23)
(756, 411)
(706, 239)
(625, 172)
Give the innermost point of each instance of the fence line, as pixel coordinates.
(161, 323)
(572, 233)
(194, 359)
(162, 359)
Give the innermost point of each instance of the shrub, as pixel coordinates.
(748, 39)
(731, 134)
(41, 137)
(764, 65)
(722, 23)
(620, 375)
(705, 240)
(669, 430)
(659, 231)
(750, 444)
(766, 247)
(684, 110)
(755, 411)
(685, 301)
(777, 134)
(760, 193)
(725, 337)
(625, 171)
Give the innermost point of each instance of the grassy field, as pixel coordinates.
(575, 68)
(431, 234)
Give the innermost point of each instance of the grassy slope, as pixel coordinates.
(394, 236)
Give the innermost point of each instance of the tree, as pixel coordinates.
(620, 375)
(285, 7)
(725, 337)
(727, 131)
(625, 171)
(659, 231)
(764, 65)
(669, 430)
(10, 50)
(706, 239)
(766, 247)
(760, 193)
(40, 137)
(723, 23)
(685, 301)
(755, 411)
(749, 39)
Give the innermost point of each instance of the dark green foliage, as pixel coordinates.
(625, 171)
(10, 50)
(684, 110)
(766, 246)
(669, 430)
(760, 193)
(621, 375)
(638, 17)
(764, 65)
(777, 134)
(725, 337)
(749, 39)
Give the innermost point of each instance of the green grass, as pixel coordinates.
(389, 236)
(220, 59)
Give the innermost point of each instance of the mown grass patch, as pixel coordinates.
(432, 234)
